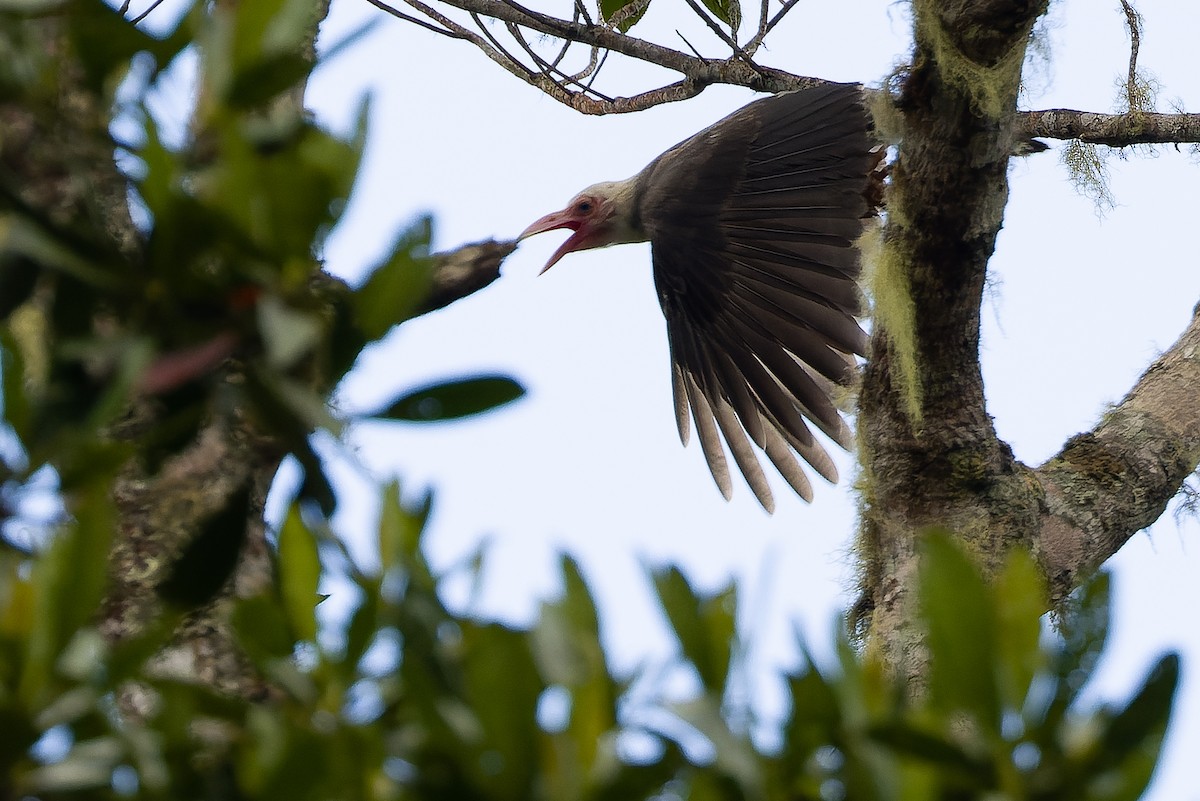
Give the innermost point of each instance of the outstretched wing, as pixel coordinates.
(752, 225)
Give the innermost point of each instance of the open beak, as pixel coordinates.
(551, 222)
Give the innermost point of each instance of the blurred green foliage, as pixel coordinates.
(405, 697)
(219, 307)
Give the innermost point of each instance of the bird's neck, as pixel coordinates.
(625, 225)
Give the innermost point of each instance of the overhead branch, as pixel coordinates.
(1107, 484)
(1115, 130)
(698, 71)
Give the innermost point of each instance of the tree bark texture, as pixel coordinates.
(59, 154)
(929, 451)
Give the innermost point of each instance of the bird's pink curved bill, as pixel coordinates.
(552, 222)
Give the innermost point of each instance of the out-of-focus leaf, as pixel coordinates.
(89, 765)
(208, 561)
(704, 628)
(18, 276)
(957, 610)
(505, 702)
(69, 581)
(262, 628)
(396, 286)
(50, 249)
(735, 754)
(566, 644)
(1083, 626)
(288, 334)
(451, 400)
(1128, 748)
(949, 759)
(105, 41)
(1020, 601)
(315, 486)
(299, 572)
(258, 83)
(361, 631)
(815, 715)
(400, 530)
(16, 397)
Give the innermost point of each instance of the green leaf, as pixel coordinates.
(735, 754)
(728, 11)
(362, 630)
(208, 561)
(106, 41)
(704, 628)
(626, 12)
(1131, 741)
(1020, 602)
(505, 703)
(815, 717)
(566, 644)
(68, 583)
(262, 628)
(396, 286)
(957, 610)
(18, 276)
(299, 573)
(289, 334)
(260, 82)
(400, 531)
(16, 401)
(949, 759)
(451, 400)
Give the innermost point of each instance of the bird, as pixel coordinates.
(752, 225)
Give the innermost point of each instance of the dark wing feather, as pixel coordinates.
(752, 224)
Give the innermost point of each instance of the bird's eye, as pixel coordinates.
(584, 207)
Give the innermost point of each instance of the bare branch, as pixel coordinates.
(698, 70)
(1134, 22)
(463, 271)
(145, 13)
(1115, 130)
(753, 45)
(398, 14)
(1113, 481)
(716, 28)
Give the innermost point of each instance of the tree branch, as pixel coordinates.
(1111, 482)
(463, 271)
(699, 72)
(1115, 130)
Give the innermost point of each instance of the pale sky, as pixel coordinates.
(590, 461)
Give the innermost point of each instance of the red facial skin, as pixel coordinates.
(586, 215)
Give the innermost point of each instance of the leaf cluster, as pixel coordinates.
(217, 309)
(405, 697)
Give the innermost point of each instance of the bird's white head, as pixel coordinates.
(599, 216)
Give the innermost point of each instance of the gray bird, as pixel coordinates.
(752, 226)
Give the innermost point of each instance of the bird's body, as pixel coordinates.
(752, 224)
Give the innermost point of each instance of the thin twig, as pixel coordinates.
(137, 20)
(753, 44)
(551, 70)
(716, 28)
(763, 9)
(1134, 21)
(596, 74)
(429, 26)
(689, 44)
